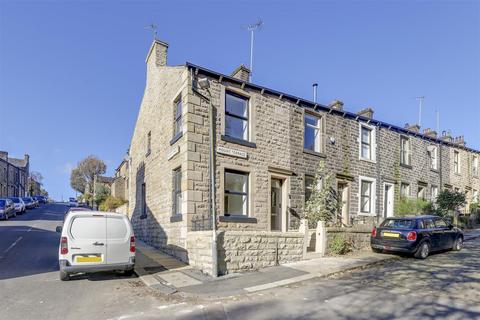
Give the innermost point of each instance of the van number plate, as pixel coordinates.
(89, 259)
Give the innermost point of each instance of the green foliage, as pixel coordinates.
(413, 206)
(102, 194)
(81, 177)
(474, 207)
(450, 201)
(323, 204)
(111, 203)
(339, 244)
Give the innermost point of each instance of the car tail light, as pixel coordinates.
(374, 232)
(64, 245)
(132, 244)
(412, 236)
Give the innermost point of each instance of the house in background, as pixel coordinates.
(267, 147)
(14, 175)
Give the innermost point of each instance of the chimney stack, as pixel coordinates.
(367, 113)
(4, 155)
(336, 105)
(460, 140)
(430, 133)
(446, 136)
(412, 127)
(241, 73)
(157, 54)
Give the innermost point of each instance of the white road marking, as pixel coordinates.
(13, 244)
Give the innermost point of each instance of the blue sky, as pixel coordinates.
(72, 74)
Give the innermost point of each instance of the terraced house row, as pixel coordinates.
(14, 175)
(267, 148)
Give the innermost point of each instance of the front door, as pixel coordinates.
(276, 205)
(388, 200)
(342, 191)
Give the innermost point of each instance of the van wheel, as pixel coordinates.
(423, 251)
(458, 244)
(64, 276)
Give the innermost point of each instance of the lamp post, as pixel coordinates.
(204, 84)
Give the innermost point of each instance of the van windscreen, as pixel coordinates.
(88, 227)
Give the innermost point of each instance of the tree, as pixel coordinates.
(323, 204)
(81, 178)
(36, 176)
(450, 202)
(102, 194)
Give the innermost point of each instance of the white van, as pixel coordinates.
(96, 241)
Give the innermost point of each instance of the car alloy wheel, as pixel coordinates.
(425, 250)
(459, 244)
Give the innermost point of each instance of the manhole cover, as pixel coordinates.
(152, 270)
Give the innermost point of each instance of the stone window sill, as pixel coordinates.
(406, 166)
(367, 160)
(238, 141)
(241, 219)
(315, 153)
(434, 170)
(176, 218)
(176, 138)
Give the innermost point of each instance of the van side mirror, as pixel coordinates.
(59, 229)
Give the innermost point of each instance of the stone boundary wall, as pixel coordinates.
(359, 235)
(123, 209)
(251, 250)
(199, 250)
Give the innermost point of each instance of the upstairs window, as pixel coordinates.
(405, 151)
(475, 166)
(312, 134)
(366, 143)
(236, 116)
(433, 152)
(456, 162)
(236, 193)
(178, 117)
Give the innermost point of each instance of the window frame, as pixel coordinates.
(233, 192)
(405, 154)
(318, 146)
(434, 159)
(372, 143)
(178, 118)
(149, 143)
(475, 166)
(433, 195)
(373, 198)
(176, 174)
(423, 189)
(310, 187)
(232, 115)
(456, 162)
(407, 188)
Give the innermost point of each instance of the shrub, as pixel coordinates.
(339, 244)
(111, 203)
(413, 206)
(450, 201)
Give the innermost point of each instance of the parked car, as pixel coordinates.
(28, 202)
(72, 202)
(94, 241)
(40, 199)
(7, 209)
(418, 235)
(19, 205)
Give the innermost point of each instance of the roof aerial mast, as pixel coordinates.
(252, 27)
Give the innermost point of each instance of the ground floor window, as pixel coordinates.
(236, 193)
(421, 194)
(177, 191)
(367, 196)
(309, 180)
(404, 190)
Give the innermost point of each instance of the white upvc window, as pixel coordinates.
(367, 196)
(475, 198)
(367, 142)
(405, 151)
(434, 192)
(475, 166)
(456, 162)
(404, 190)
(433, 152)
(312, 134)
(422, 192)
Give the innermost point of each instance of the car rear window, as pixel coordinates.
(116, 228)
(16, 200)
(88, 227)
(399, 223)
(2, 203)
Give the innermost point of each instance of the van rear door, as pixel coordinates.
(88, 241)
(118, 239)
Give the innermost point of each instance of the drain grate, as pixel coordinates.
(152, 270)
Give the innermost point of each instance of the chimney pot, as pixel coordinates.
(412, 127)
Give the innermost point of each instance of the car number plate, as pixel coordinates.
(391, 235)
(89, 259)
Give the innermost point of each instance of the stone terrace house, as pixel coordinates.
(268, 145)
(14, 175)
